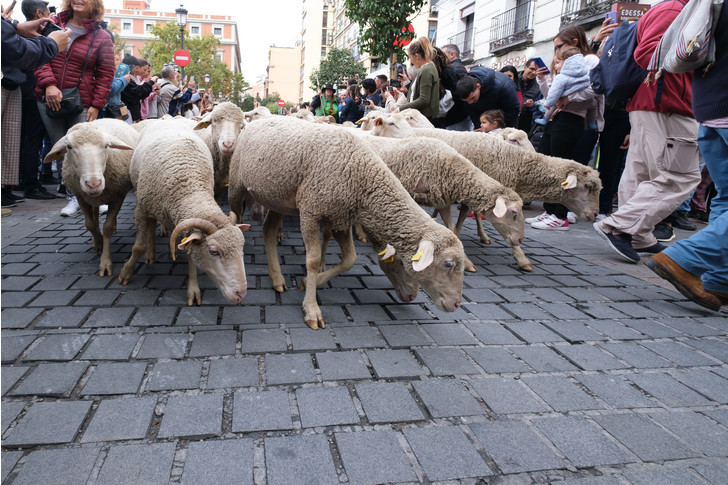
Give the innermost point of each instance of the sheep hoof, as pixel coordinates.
(105, 269)
(485, 240)
(280, 237)
(195, 299)
(525, 267)
(302, 285)
(315, 323)
(123, 281)
(163, 231)
(280, 288)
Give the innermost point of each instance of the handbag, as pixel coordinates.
(118, 111)
(71, 104)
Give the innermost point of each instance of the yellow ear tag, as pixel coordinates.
(382, 253)
(417, 256)
(565, 182)
(388, 260)
(184, 240)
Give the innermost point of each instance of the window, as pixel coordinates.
(194, 30)
(325, 20)
(218, 56)
(217, 30)
(323, 37)
(126, 26)
(432, 31)
(323, 53)
(148, 26)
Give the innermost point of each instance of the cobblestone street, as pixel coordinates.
(586, 371)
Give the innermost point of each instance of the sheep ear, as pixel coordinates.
(195, 236)
(379, 121)
(361, 121)
(114, 142)
(500, 207)
(425, 255)
(243, 227)
(58, 150)
(388, 253)
(570, 182)
(204, 122)
(423, 186)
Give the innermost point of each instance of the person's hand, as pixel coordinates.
(8, 12)
(155, 79)
(625, 143)
(31, 29)
(386, 94)
(53, 96)
(402, 76)
(528, 103)
(62, 38)
(541, 72)
(92, 113)
(562, 102)
(607, 28)
(127, 76)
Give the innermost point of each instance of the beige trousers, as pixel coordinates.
(660, 172)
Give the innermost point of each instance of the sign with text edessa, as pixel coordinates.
(629, 12)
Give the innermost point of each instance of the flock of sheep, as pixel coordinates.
(332, 177)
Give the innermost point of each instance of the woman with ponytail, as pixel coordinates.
(424, 93)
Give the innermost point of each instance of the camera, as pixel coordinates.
(50, 27)
(395, 83)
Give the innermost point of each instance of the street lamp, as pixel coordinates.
(181, 21)
(207, 84)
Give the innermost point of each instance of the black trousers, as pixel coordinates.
(32, 132)
(611, 157)
(559, 140)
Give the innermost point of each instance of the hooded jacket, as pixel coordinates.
(497, 91)
(574, 76)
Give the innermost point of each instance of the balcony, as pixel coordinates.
(464, 41)
(586, 13)
(512, 29)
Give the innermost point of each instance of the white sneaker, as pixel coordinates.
(601, 217)
(552, 223)
(538, 218)
(71, 208)
(103, 209)
(571, 217)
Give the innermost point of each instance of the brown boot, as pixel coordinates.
(723, 297)
(686, 283)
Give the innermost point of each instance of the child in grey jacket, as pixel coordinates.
(572, 77)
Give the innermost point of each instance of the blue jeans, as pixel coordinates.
(706, 252)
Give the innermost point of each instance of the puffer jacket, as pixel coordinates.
(65, 69)
(497, 91)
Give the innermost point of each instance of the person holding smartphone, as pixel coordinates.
(424, 92)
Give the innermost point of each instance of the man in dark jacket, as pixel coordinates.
(457, 117)
(530, 91)
(484, 89)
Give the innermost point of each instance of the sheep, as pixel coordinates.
(225, 123)
(514, 136)
(257, 113)
(172, 172)
(416, 119)
(334, 188)
(304, 114)
(97, 157)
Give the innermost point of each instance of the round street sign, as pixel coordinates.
(181, 58)
(281, 103)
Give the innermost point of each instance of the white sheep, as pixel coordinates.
(514, 136)
(416, 119)
(172, 172)
(304, 114)
(96, 170)
(257, 113)
(331, 189)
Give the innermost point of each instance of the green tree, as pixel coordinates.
(119, 43)
(383, 24)
(338, 67)
(223, 82)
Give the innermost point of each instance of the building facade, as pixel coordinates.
(133, 23)
(282, 73)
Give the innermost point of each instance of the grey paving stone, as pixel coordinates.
(154, 316)
(404, 335)
(690, 327)
(115, 378)
(23, 283)
(446, 361)
(582, 441)
(299, 459)
(385, 402)
(326, 406)
(561, 394)
(264, 340)
(368, 313)
(109, 317)
(508, 396)
(662, 475)
(488, 311)
(241, 315)
(289, 369)
(51, 299)
(515, 447)
(601, 480)
(493, 333)
(389, 364)
(479, 295)
(194, 316)
(600, 310)
(305, 339)
(48, 466)
(590, 357)
(10, 411)
(260, 297)
(97, 298)
(682, 355)
(213, 343)
(715, 473)
(652, 328)
(9, 459)
(58, 347)
(48, 423)
(168, 376)
(496, 360)
(698, 431)
(163, 346)
(236, 372)
(563, 311)
(715, 348)
(13, 346)
(411, 311)
(574, 332)
(719, 415)
(135, 464)
(447, 397)
(615, 330)
(449, 334)
(359, 337)
(636, 355)
(144, 297)
(192, 416)
(527, 311)
(542, 359)
(533, 332)
(64, 317)
(11, 375)
(461, 461)
(10, 299)
(336, 366)
(216, 462)
(668, 390)
(373, 297)
(706, 383)
(19, 317)
(284, 314)
(121, 419)
(615, 391)
(261, 411)
(644, 438)
(374, 457)
(51, 379)
(111, 347)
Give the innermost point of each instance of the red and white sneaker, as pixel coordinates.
(552, 223)
(538, 218)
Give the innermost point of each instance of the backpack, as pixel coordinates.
(173, 104)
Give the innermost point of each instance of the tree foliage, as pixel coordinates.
(338, 67)
(383, 24)
(166, 42)
(271, 102)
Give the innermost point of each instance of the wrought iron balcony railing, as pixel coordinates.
(583, 12)
(512, 28)
(464, 41)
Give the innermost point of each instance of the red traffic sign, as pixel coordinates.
(181, 58)
(281, 103)
(402, 42)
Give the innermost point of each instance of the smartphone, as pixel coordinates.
(192, 79)
(390, 89)
(612, 16)
(50, 27)
(400, 69)
(539, 62)
(395, 83)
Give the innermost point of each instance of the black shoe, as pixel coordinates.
(7, 203)
(8, 195)
(702, 216)
(39, 193)
(621, 244)
(680, 220)
(48, 179)
(62, 189)
(664, 232)
(654, 249)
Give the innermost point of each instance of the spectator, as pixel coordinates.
(382, 82)
(168, 90)
(67, 71)
(351, 109)
(458, 117)
(136, 91)
(483, 89)
(424, 93)
(114, 107)
(491, 121)
(698, 266)
(512, 73)
(144, 76)
(327, 105)
(530, 92)
(370, 100)
(19, 53)
(662, 162)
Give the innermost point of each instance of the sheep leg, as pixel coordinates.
(109, 230)
(325, 238)
(360, 234)
(151, 244)
(194, 295)
(311, 311)
(236, 198)
(270, 229)
(348, 257)
(435, 212)
(461, 219)
(144, 225)
(481, 232)
(91, 218)
(521, 259)
(280, 235)
(447, 218)
(162, 230)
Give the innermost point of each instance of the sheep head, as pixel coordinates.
(393, 267)
(216, 251)
(225, 122)
(257, 113)
(581, 192)
(391, 126)
(303, 114)
(507, 218)
(87, 148)
(416, 119)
